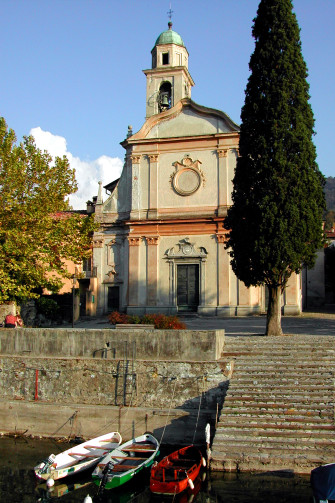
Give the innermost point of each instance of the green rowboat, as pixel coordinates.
(124, 462)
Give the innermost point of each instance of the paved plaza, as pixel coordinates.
(307, 324)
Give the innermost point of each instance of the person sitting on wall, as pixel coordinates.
(12, 321)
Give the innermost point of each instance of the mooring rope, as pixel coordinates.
(196, 425)
(167, 418)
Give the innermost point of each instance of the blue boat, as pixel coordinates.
(323, 483)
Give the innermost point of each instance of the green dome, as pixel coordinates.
(169, 37)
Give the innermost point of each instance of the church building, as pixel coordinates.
(161, 243)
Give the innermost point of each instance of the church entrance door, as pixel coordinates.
(187, 287)
(113, 298)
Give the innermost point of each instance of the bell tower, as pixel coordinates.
(169, 80)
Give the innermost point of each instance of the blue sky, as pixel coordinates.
(72, 70)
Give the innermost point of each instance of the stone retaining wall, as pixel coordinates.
(107, 382)
(51, 385)
(178, 345)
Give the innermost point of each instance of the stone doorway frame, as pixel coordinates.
(186, 254)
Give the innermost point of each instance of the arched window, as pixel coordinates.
(164, 97)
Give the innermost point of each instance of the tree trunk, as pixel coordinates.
(273, 321)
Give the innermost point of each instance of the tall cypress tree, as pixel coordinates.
(275, 221)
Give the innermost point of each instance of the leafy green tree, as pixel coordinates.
(37, 230)
(278, 200)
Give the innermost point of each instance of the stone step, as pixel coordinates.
(287, 455)
(310, 349)
(279, 351)
(235, 430)
(306, 407)
(274, 430)
(273, 450)
(275, 422)
(276, 442)
(259, 384)
(299, 463)
(293, 368)
(258, 380)
(273, 353)
(242, 373)
(264, 341)
(275, 411)
(278, 412)
(280, 396)
(258, 387)
(281, 360)
(266, 415)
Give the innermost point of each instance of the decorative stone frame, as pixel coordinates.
(187, 177)
(186, 254)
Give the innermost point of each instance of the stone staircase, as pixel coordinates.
(278, 413)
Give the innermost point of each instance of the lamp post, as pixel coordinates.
(73, 296)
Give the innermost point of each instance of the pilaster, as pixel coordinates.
(223, 272)
(153, 186)
(223, 181)
(98, 255)
(135, 186)
(152, 270)
(292, 295)
(133, 275)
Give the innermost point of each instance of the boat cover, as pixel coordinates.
(323, 482)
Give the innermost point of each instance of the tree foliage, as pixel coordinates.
(278, 200)
(37, 230)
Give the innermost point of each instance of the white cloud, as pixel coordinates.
(88, 173)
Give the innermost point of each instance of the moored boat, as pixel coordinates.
(78, 458)
(177, 471)
(120, 465)
(323, 483)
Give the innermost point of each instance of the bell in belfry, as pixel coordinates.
(164, 101)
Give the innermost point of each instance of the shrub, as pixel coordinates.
(160, 321)
(116, 317)
(48, 307)
(164, 322)
(134, 319)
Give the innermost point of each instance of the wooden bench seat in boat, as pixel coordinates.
(123, 468)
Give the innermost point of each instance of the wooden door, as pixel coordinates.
(113, 300)
(187, 287)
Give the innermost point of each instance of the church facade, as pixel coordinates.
(161, 242)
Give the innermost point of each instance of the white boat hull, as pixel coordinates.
(78, 458)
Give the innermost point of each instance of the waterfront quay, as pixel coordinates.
(269, 400)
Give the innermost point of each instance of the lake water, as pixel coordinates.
(18, 484)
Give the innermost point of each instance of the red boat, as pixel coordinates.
(177, 471)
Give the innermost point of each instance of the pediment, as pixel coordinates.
(185, 119)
